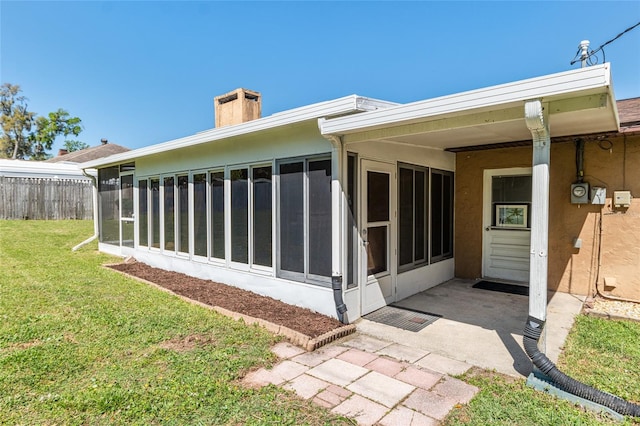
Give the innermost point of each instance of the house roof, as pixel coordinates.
(629, 112)
(337, 107)
(40, 169)
(579, 101)
(89, 154)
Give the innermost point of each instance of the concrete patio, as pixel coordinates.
(480, 327)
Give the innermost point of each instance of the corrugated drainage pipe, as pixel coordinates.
(532, 332)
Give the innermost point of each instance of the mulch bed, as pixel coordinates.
(211, 293)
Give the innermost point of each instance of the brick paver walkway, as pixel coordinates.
(370, 380)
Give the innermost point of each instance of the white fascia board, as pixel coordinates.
(548, 87)
(340, 106)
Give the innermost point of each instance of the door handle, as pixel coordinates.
(487, 228)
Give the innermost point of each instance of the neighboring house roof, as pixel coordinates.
(39, 169)
(89, 154)
(334, 108)
(629, 113)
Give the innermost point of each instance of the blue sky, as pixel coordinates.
(140, 73)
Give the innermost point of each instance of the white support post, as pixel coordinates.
(336, 209)
(536, 117)
(337, 213)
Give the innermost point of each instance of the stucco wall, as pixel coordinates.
(570, 270)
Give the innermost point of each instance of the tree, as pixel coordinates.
(71, 145)
(49, 128)
(25, 135)
(16, 122)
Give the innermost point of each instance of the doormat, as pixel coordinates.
(401, 318)
(502, 287)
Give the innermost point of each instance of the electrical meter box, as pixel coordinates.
(621, 198)
(598, 195)
(580, 193)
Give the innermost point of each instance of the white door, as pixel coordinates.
(127, 222)
(506, 223)
(378, 230)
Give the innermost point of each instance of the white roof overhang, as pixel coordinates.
(578, 102)
(40, 169)
(336, 107)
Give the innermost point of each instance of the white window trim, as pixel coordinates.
(427, 245)
(305, 276)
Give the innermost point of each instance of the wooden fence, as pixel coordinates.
(39, 198)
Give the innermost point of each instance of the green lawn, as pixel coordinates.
(601, 353)
(80, 344)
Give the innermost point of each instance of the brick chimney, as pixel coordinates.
(62, 152)
(238, 106)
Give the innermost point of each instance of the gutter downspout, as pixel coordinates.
(336, 224)
(96, 229)
(537, 120)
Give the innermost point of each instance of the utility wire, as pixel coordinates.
(593, 52)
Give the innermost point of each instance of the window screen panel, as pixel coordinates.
(108, 192)
(447, 215)
(126, 196)
(183, 217)
(320, 218)
(126, 210)
(420, 233)
(143, 215)
(128, 233)
(262, 215)
(240, 215)
(405, 216)
(352, 231)
(377, 249)
(200, 214)
(436, 215)
(291, 200)
(217, 215)
(155, 213)
(377, 197)
(169, 214)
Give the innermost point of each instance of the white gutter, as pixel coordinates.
(596, 79)
(345, 105)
